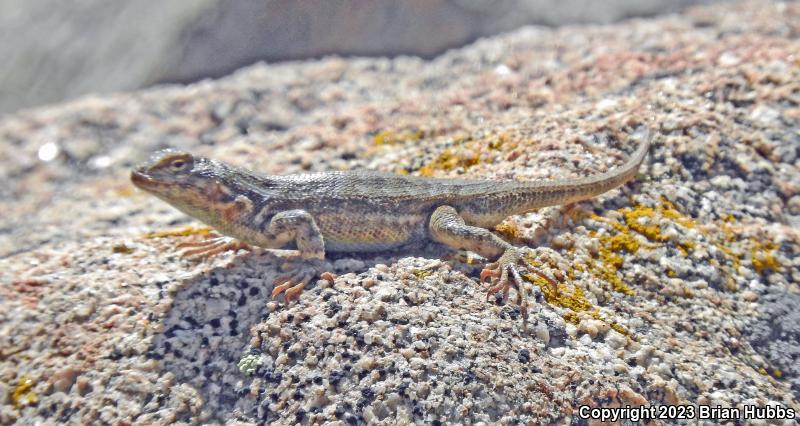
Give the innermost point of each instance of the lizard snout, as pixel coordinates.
(140, 179)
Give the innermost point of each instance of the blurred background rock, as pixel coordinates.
(55, 50)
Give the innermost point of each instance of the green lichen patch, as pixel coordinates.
(249, 364)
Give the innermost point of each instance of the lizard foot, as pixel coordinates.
(505, 273)
(211, 247)
(292, 284)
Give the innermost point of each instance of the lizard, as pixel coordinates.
(362, 211)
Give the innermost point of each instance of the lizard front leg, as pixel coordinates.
(448, 227)
(212, 246)
(298, 225)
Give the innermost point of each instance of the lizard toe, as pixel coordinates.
(505, 275)
(293, 293)
(492, 270)
(292, 285)
(278, 289)
(211, 247)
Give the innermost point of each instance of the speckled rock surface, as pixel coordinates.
(56, 51)
(674, 289)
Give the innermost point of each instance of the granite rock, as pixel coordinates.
(673, 289)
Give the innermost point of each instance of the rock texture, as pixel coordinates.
(675, 289)
(95, 46)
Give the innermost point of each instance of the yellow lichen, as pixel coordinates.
(450, 159)
(611, 323)
(736, 260)
(465, 153)
(183, 232)
(610, 259)
(510, 230)
(23, 395)
(620, 242)
(642, 220)
(645, 227)
(762, 256)
(571, 317)
(498, 141)
(568, 296)
(621, 330)
(388, 137)
(422, 274)
(562, 294)
(668, 210)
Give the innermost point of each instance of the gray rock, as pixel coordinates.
(54, 51)
(776, 335)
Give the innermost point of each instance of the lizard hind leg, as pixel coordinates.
(448, 227)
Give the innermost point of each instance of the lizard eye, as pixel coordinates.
(179, 164)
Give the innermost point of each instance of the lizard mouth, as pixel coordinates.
(141, 180)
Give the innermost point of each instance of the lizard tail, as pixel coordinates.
(507, 198)
(590, 186)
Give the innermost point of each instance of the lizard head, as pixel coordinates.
(186, 181)
(165, 170)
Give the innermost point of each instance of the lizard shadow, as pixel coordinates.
(207, 328)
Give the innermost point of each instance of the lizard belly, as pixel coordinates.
(370, 232)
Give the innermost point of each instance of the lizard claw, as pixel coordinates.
(211, 247)
(291, 289)
(292, 285)
(490, 270)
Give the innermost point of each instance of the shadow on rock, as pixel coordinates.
(206, 331)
